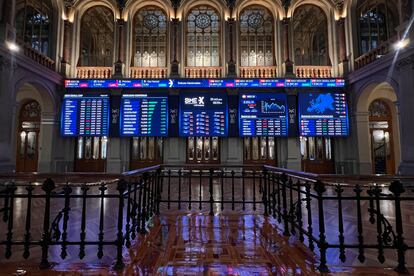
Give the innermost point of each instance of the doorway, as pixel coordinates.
(28, 137)
(145, 152)
(259, 150)
(317, 156)
(91, 154)
(380, 127)
(203, 150)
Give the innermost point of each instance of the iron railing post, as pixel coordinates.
(121, 187)
(323, 245)
(48, 186)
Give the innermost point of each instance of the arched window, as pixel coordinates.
(256, 37)
(97, 37)
(377, 22)
(150, 48)
(203, 37)
(33, 24)
(310, 36)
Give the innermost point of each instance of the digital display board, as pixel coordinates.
(323, 114)
(144, 115)
(203, 114)
(85, 116)
(206, 83)
(263, 114)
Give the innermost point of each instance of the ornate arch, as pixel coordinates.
(275, 7)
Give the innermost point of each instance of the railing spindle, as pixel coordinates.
(67, 190)
(102, 190)
(169, 190)
(309, 212)
(84, 190)
(179, 189)
(285, 215)
(361, 256)
(222, 189)
(11, 189)
(323, 245)
(27, 234)
(200, 206)
(128, 216)
(189, 189)
(232, 190)
(48, 186)
(341, 237)
(121, 187)
(211, 192)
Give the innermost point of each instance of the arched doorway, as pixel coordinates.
(382, 148)
(28, 137)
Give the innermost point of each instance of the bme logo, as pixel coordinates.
(199, 101)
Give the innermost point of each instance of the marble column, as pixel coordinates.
(119, 64)
(174, 72)
(405, 69)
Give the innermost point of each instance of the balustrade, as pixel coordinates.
(38, 56)
(203, 72)
(148, 72)
(258, 72)
(382, 50)
(93, 72)
(311, 71)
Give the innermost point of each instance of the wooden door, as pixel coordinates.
(203, 150)
(28, 137)
(91, 154)
(146, 151)
(259, 150)
(317, 156)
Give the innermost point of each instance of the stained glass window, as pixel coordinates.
(150, 38)
(256, 37)
(203, 37)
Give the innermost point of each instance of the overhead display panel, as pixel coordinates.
(323, 114)
(206, 83)
(85, 116)
(203, 115)
(263, 114)
(144, 115)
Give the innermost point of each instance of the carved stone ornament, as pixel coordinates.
(6, 64)
(406, 62)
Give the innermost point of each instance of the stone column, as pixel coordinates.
(405, 69)
(7, 109)
(231, 73)
(7, 14)
(175, 22)
(119, 64)
(343, 58)
(286, 37)
(67, 49)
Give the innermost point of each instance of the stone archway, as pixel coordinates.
(386, 93)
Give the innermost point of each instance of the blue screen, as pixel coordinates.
(203, 115)
(85, 116)
(263, 114)
(323, 114)
(144, 115)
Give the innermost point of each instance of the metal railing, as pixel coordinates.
(318, 209)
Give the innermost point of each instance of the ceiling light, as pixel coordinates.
(12, 46)
(401, 44)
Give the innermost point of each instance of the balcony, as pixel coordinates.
(382, 50)
(311, 71)
(203, 72)
(93, 72)
(258, 72)
(37, 56)
(148, 72)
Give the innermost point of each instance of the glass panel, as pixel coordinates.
(199, 149)
(79, 151)
(191, 148)
(272, 149)
(135, 148)
(247, 148)
(88, 147)
(22, 143)
(215, 147)
(31, 145)
(319, 148)
(159, 148)
(143, 148)
(96, 148)
(104, 147)
(255, 148)
(312, 148)
(263, 148)
(207, 149)
(328, 148)
(304, 147)
(151, 148)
